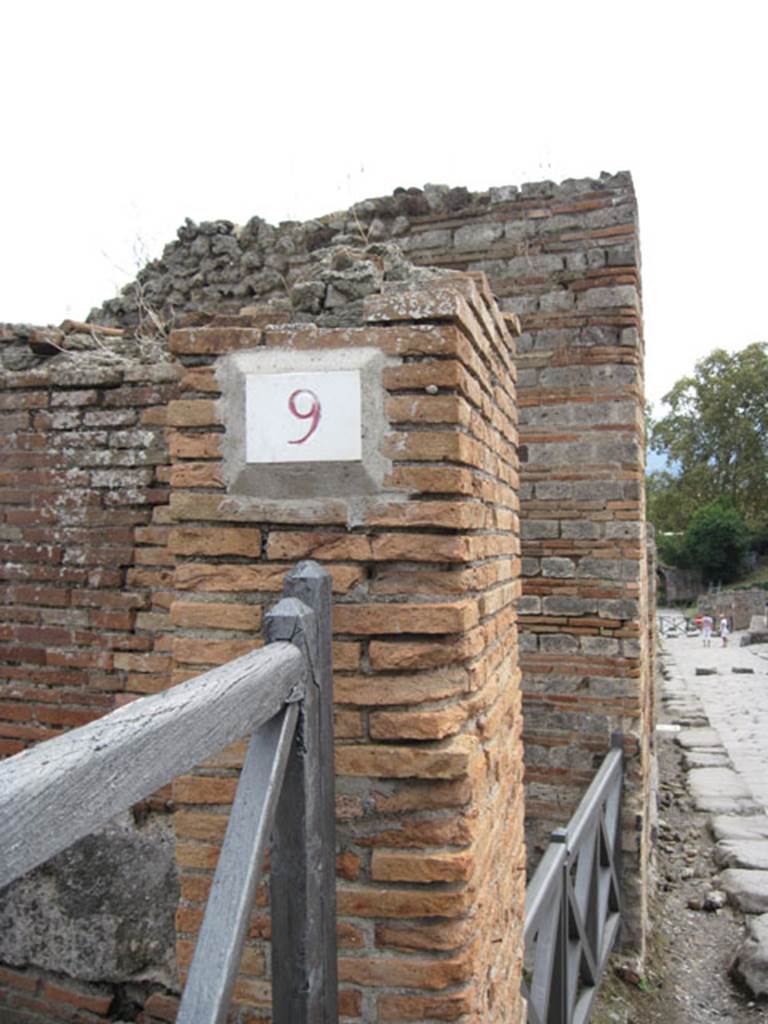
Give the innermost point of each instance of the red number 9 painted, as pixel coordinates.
(313, 413)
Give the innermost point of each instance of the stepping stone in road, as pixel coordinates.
(754, 636)
(742, 671)
(706, 671)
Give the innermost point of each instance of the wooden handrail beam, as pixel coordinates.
(63, 789)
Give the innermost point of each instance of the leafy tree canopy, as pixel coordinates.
(671, 550)
(669, 504)
(716, 436)
(716, 542)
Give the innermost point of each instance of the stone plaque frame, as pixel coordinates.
(297, 479)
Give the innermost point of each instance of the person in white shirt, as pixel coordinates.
(706, 629)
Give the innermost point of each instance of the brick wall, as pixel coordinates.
(88, 605)
(83, 490)
(429, 794)
(84, 587)
(566, 259)
(33, 996)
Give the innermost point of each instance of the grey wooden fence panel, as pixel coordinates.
(303, 868)
(61, 790)
(543, 919)
(573, 904)
(219, 945)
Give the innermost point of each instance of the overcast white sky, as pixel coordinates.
(121, 119)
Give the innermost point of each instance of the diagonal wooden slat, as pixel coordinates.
(615, 901)
(220, 942)
(578, 931)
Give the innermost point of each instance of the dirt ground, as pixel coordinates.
(685, 979)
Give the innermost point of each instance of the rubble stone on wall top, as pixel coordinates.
(218, 265)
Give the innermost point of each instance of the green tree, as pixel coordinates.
(716, 437)
(716, 541)
(669, 505)
(671, 550)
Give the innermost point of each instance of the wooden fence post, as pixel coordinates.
(303, 855)
(561, 979)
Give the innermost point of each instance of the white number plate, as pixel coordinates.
(303, 417)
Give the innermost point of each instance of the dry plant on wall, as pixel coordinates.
(363, 232)
(151, 325)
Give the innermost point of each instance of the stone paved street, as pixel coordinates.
(719, 698)
(736, 703)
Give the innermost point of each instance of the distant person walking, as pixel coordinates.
(706, 629)
(724, 631)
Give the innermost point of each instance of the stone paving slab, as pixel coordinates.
(684, 715)
(743, 853)
(730, 829)
(726, 805)
(751, 964)
(706, 759)
(700, 738)
(720, 791)
(717, 782)
(688, 716)
(747, 890)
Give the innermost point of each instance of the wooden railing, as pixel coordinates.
(64, 788)
(573, 904)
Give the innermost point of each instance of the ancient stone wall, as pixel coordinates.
(738, 606)
(680, 585)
